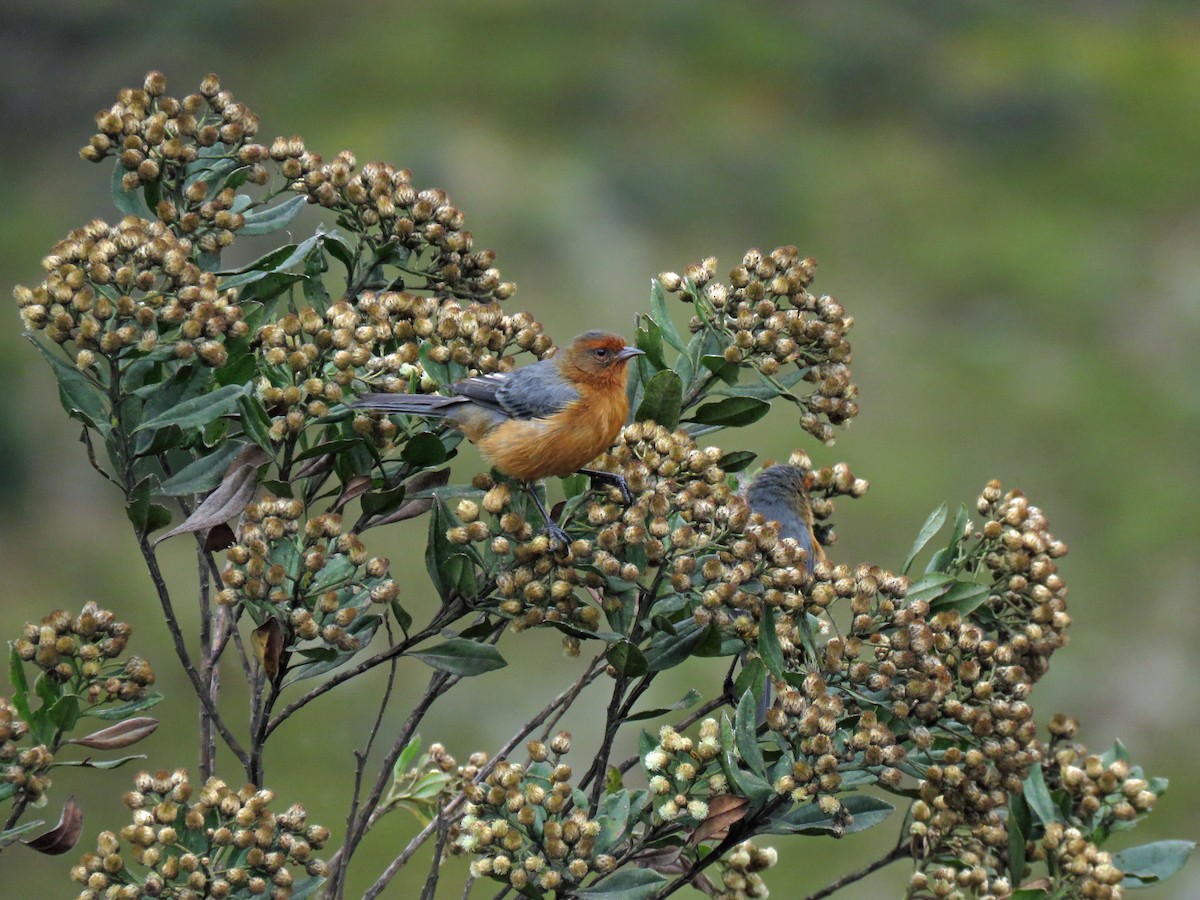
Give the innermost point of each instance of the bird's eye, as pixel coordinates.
(600, 352)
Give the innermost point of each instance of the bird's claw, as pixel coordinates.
(612, 479)
(557, 535)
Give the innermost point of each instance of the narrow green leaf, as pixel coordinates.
(1037, 795)
(929, 587)
(933, 524)
(736, 460)
(768, 643)
(746, 733)
(1019, 825)
(669, 650)
(408, 756)
(690, 699)
(963, 596)
(624, 884)
(256, 425)
(79, 397)
(662, 316)
(266, 219)
(199, 411)
(461, 657)
(721, 367)
(123, 710)
(307, 887)
(90, 763)
(650, 340)
(20, 685)
(662, 399)
(732, 412)
(6, 836)
(203, 474)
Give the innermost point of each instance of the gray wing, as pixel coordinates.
(533, 392)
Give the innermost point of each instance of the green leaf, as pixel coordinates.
(7, 835)
(122, 711)
(264, 220)
(627, 659)
(662, 317)
(256, 425)
(690, 699)
(963, 596)
(768, 643)
(130, 203)
(753, 678)
(669, 650)
(613, 819)
(867, 811)
(338, 247)
(203, 474)
(745, 783)
(423, 450)
(461, 657)
(274, 263)
(732, 412)
(721, 367)
(408, 756)
(1037, 795)
(933, 524)
(80, 398)
(649, 340)
(745, 730)
(20, 685)
(199, 411)
(736, 460)
(1151, 863)
(624, 884)
(307, 887)
(1020, 826)
(661, 402)
(929, 587)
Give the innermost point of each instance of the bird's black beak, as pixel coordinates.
(629, 352)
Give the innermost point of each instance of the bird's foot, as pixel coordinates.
(558, 536)
(613, 480)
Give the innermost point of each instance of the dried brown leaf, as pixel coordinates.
(355, 487)
(219, 537)
(724, 811)
(230, 496)
(267, 640)
(63, 836)
(123, 734)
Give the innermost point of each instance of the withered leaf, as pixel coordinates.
(355, 487)
(231, 495)
(123, 734)
(724, 811)
(267, 639)
(63, 836)
(422, 481)
(219, 537)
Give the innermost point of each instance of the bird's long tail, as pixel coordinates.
(432, 405)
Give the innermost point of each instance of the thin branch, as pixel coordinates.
(366, 665)
(432, 879)
(900, 851)
(185, 659)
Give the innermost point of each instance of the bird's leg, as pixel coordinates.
(558, 537)
(612, 479)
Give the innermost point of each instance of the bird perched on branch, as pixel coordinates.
(780, 494)
(548, 418)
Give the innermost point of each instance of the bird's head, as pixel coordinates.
(599, 355)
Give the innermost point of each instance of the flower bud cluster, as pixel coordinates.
(319, 578)
(24, 769)
(1021, 555)
(685, 774)
(119, 289)
(767, 318)
(385, 207)
(740, 868)
(76, 651)
(210, 842)
(523, 828)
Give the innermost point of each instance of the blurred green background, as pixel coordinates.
(1005, 196)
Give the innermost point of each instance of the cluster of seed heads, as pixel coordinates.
(740, 872)
(523, 829)
(769, 319)
(23, 768)
(210, 842)
(129, 287)
(685, 773)
(318, 577)
(158, 140)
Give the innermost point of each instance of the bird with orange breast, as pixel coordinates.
(551, 417)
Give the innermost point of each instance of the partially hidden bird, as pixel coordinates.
(780, 494)
(551, 417)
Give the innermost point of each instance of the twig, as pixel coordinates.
(900, 851)
(434, 867)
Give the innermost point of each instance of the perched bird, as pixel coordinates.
(548, 418)
(780, 494)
